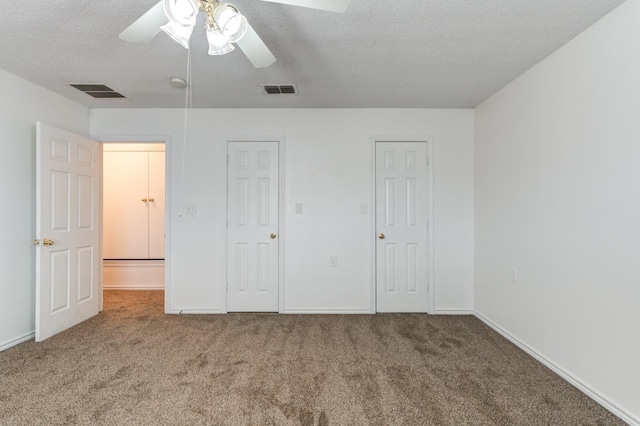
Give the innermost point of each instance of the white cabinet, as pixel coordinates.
(134, 201)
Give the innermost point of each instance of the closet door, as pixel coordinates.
(126, 223)
(156, 205)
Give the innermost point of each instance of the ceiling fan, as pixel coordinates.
(225, 25)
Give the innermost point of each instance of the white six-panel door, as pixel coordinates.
(68, 206)
(252, 234)
(402, 221)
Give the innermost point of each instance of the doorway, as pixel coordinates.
(402, 226)
(134, 205)
(69, 228)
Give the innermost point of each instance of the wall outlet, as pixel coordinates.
(333, 261)
(514, 274)
(190, 208)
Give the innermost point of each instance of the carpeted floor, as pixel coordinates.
(133, 365)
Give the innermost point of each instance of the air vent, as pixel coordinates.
(99, 91)
(279, 89)
(288, 90)
(105, 95)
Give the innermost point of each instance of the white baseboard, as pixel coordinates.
(194, 311)
(453, 312)
(591, 393)
(21, 339)
(133, 274)
(134, 286)
(311, 311)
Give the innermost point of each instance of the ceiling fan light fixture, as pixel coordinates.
(182, 12)
(178, 32)
(218, 43)
(232, 23)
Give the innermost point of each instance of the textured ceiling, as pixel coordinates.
(404, 54)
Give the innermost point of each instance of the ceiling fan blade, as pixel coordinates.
(255, 49)
(330, 5)
(147, 26)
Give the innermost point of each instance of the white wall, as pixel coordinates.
(328, 167)
(557, 189)
(21, 105)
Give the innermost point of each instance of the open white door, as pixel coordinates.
(68, 206)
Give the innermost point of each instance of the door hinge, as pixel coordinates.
(427, 160)
(227, 160)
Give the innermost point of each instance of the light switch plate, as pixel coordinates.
(364, 208)
(299, 208)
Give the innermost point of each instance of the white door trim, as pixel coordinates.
(430, 234)
(166, 140)
(281, 214)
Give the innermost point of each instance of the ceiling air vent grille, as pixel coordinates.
(99, 91)
(280, 89)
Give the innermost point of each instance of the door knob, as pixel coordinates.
(272, 235)
(381, 236)
(47, 242)
(151, 200)
(144, 200)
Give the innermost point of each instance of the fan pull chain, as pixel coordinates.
(188, 104)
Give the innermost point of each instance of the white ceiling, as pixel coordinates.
(404, 54)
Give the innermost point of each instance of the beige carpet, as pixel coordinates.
(133, 365)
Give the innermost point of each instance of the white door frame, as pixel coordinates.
(166, 140)
(281, 214)
(430, 232)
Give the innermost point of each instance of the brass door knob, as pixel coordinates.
(151, 200)
(144, 200)
(272, 235)
(381, 236)
(47, 242)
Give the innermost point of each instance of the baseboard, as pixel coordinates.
(133, 274)
(194, 311)
(11, 343)
(134, 286)
(453, 312)
(591, 393)
(312, 311)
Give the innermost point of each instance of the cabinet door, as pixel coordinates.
(126, 223)
(156, 207)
